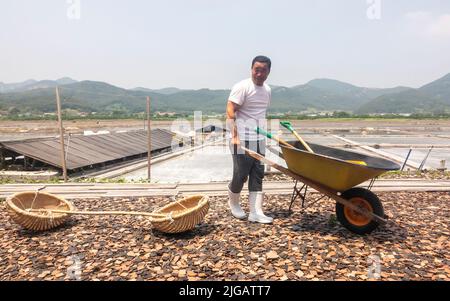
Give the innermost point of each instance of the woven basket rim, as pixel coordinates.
(10, 203)
(201, 203)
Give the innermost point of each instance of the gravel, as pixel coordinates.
(307, 245)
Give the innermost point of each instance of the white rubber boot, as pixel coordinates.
(256, 212)
(235, 207)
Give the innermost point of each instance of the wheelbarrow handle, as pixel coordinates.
(270, 136)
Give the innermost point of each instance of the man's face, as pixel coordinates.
(260, 72)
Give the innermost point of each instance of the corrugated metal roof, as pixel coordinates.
(89, 150)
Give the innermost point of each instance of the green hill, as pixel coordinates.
(431, 98)
(439, 89)
(319, 94)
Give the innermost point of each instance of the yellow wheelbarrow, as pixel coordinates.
(335, 173)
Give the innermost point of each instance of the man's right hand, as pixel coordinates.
(231, 122)
(236, 144)
(235, 141)
(235, 136)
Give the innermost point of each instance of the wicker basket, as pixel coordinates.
(185, 214)
(19, 204)
(179, 216)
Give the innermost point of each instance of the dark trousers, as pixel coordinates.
(246, 167)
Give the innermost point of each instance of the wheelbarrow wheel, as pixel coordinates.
(355, 221)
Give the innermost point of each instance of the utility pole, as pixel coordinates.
(61, 135)
(149, 136)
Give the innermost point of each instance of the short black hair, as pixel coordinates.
(262, 59)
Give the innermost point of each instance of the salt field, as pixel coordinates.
(214, 163)
(209, 164)
(390, 139)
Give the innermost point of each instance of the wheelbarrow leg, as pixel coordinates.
(297, 193)
(372, 182)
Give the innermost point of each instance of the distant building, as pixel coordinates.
(211, 129)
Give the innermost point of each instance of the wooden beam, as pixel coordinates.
(149, 137)
(61, 135)
(2, 158)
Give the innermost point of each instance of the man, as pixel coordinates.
(246, 109)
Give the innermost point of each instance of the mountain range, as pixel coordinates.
(431, 98)
(32, 84)
(315, 95)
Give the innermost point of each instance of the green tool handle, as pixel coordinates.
(270, 136)
(288, 125)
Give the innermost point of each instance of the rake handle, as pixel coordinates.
(303, 142)
(270, 136)
(288, 125)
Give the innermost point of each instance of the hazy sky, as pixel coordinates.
(210, 43)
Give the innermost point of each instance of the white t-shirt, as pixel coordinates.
(254, 101)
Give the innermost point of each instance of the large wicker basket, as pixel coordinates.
(183, 215)
(179, 216)
(19, 204)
